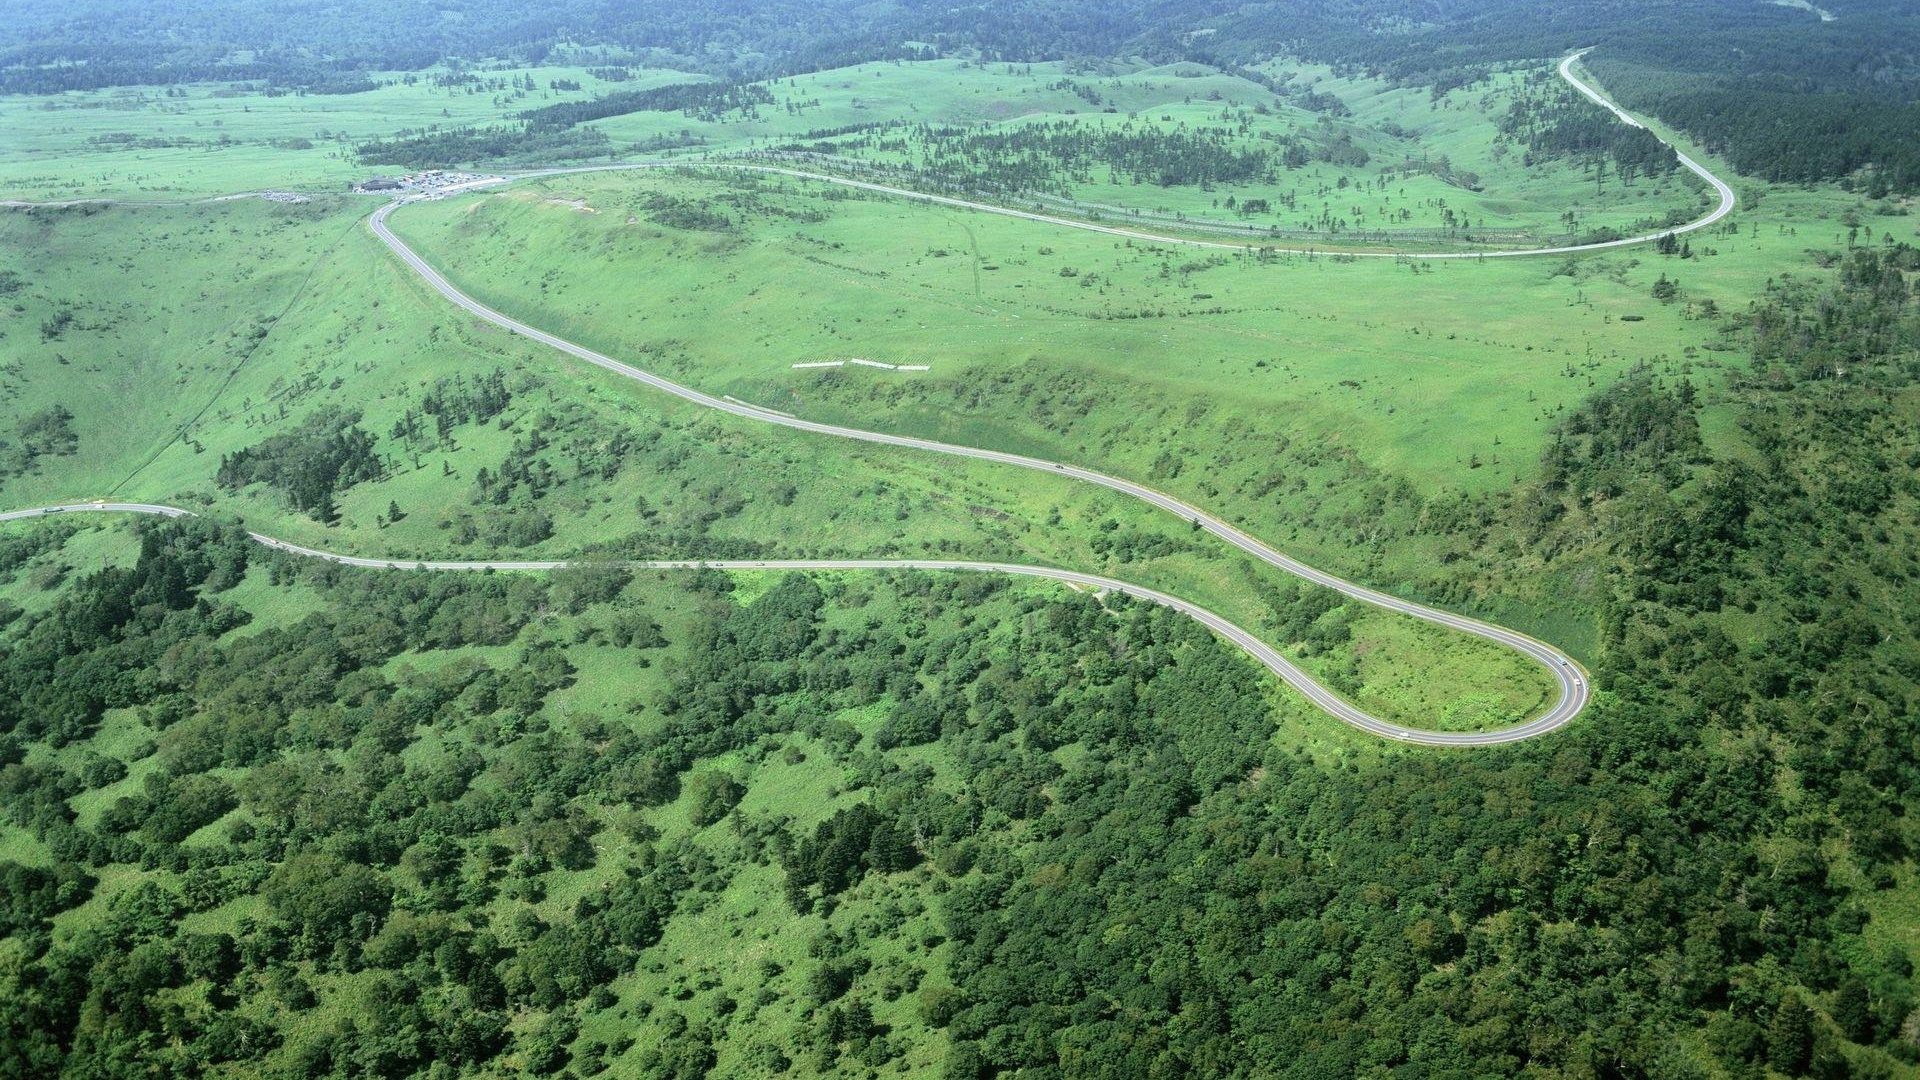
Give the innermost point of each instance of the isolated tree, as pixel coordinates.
(1790, 1036)
(1853, 1008)
(711, 795)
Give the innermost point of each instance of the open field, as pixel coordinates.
(217, 139)
(1390, 159)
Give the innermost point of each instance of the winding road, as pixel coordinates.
(1721, 189)
(1574, 692)
(1573, 689)
(1253, 646)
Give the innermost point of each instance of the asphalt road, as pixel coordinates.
(1325, 699)
(1572, 682)
(1573, 693)
(1719, 186)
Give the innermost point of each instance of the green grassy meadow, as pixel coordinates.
(355, 332)
(1326, 403)
(1302, 395)
(214, 139)
(1323, 402)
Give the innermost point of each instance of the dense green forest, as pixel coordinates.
(1777, 89)
(704, 100)
(1560, 123)
(553, 132)
(1128, 877)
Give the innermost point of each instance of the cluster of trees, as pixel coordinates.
(1560, 122)
(703, 100)
(505, 143)
(1050, 157)
(842, 850)
(690, 214)
(326, 454)
(449, 403)
(46, 433)
(1784, 134)
(1627, 433)
(459, 400)
(1135, 545)
(33, 894)
(1300, 94)
(560, 443)
(330, 844)
(552, 132)
(1033, 156)
(523, 476)
(55, 690)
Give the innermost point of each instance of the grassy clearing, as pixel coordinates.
(216, 139)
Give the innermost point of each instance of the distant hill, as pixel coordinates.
(1785, 92)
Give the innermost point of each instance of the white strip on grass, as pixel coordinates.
(864, 363)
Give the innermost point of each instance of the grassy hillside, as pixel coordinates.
(1328, 404)
(586, 464)
(388, 816)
